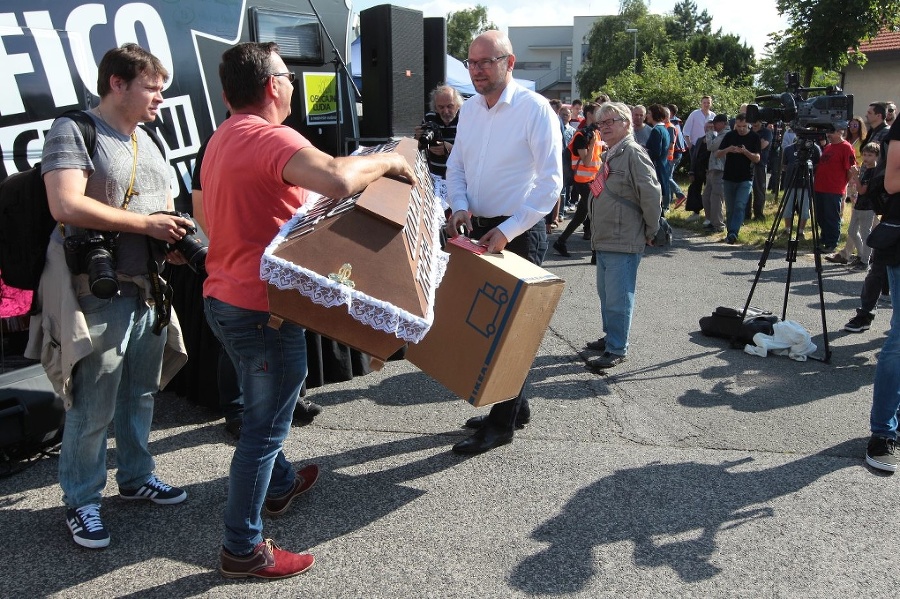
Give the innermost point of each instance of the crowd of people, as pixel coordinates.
(504, 188)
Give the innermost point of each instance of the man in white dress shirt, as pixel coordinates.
(503, 177)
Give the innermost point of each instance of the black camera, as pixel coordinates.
(589, 131)
(431, 135)
(192, 248)
(93, 253)
(807, 116)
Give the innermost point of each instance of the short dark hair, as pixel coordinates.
(872, 148)
(741, 117)
(244, 71)
(658, 112)
(879, 108)
(127, 61)
(590, 107)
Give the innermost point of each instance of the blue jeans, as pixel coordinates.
(673, 185)
(886, 394)
(829, 209)
(616, 282)
(115, 383)
(737, 194)
(271, 367)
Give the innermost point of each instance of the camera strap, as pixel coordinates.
(130, 193)
(161, 293)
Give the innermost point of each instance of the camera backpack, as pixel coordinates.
(731, 324)
(25, 219)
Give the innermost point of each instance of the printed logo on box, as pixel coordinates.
(485, 310)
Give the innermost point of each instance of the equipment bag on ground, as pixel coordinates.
(727, 323)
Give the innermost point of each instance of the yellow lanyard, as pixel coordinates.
(131, 192)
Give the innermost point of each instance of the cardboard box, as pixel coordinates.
(490, 315)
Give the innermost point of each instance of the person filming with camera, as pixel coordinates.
(109, 361)
(437, 133)
(585, 148)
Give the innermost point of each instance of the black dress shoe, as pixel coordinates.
(598, 345)
(233, 428)
(560, 247)
(480, 421)
(485, 439)
(607, 360)
(305, 411)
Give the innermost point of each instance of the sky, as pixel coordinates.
(752, 21)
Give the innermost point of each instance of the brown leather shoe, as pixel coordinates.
(303, 482)
(267, 560)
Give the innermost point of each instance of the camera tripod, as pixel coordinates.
(799, 184)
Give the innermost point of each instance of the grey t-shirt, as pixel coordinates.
(110, 174)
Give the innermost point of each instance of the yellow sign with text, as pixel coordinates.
(321, 98)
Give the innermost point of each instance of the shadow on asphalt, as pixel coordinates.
(671, 513)
(187, 533)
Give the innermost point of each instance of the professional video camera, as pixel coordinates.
(806, 116)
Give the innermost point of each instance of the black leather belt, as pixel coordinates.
(482, 222)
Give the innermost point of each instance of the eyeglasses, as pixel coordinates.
(289, 75)
(890, 110)
(483, 64)
(609, 122)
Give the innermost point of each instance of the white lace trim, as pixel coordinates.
(368, 310)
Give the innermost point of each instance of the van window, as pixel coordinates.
(298, 36)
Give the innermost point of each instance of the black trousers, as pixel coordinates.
(582, 192)
(874, 285)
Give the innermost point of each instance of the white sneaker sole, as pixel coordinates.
(874, 463)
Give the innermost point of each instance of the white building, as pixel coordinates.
(552, 55)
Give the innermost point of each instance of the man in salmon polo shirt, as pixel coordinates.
(256, 173)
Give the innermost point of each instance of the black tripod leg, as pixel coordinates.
(817, 257)
(767, 248)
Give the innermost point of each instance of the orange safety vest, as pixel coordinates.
(583, 172)
(672, 133)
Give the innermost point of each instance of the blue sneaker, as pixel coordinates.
(86, 526)
(156, 491)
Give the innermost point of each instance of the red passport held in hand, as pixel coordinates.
(468, 244)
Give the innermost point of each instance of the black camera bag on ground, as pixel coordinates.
(31, 418)
(726, 322)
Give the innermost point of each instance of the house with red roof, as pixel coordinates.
(879, 79)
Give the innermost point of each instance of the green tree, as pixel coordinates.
(669, 82)
(687, 22)
(463, 26)
(827, 33)
(685, 33)
(737, 59)
(611, 48)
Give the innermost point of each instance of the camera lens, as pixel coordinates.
(101, 273)
(193, 251)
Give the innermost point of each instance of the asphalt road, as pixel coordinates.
(691, 470)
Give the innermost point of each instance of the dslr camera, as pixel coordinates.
(590, 131)
(431, 135)
(93, 253)
(191, 247)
